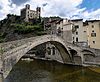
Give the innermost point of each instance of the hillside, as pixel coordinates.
(14, 28)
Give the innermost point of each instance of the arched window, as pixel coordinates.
(77, 39)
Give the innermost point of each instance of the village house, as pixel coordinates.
(93, 32)
(79, 32)
(64, 27)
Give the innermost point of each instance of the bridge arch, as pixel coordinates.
(88, 55)
(11, 57)
(85, 51)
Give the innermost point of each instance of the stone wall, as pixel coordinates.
(53, 54)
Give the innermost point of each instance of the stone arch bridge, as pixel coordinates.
(11, 52)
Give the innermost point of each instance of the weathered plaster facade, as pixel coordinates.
(67, 30)
(79, 33)
(93, 29)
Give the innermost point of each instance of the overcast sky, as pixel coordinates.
(86, 9)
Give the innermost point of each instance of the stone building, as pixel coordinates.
(27, 14)
(86, 33)
(50, 25)
(59, 27)
(79, 32)
(93, 32)
(67, 30)
(65, 27)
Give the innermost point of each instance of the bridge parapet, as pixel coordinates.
(7, 49)
(95, 51)
(13, 44)
(4, 47)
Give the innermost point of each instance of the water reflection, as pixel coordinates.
(44, 71)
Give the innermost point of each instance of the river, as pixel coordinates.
(50, 71)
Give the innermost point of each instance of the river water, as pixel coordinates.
(50, 71)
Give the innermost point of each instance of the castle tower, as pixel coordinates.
(27, 6)
(27, 14)
(38, 10)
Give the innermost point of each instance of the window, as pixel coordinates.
(76, 39)
(31, 14)
(93, 42)
(92, 26)
(59, 30)
(84, 31)
(76, 33)
(73, 38)
(73, 42)
(93, 34)
(92, 30)
(92, 21)
(76, 26)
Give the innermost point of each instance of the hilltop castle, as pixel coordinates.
(27, 14)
